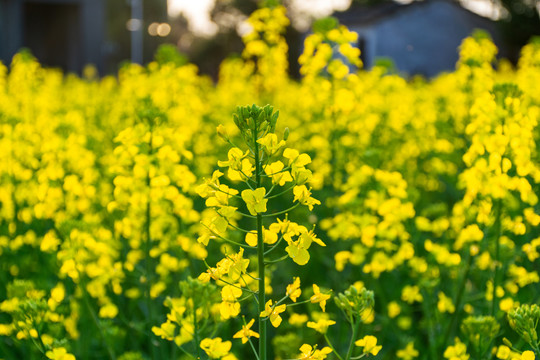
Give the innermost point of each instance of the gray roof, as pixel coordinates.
(365, 14)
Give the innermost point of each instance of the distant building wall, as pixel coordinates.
(420, 38)
(61, 33)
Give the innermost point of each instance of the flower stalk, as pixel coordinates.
(260, 250)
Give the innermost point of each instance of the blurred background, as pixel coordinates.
(420, 37)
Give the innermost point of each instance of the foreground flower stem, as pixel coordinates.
(498, 233)
(196, 332)
(458, 301)
(95, 318)
(428, 305)
(332, 347)
(355, 325)
(260, 251)
(148, 247)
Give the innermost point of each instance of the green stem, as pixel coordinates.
(96, 321)
(260, 254)
(225, 239)
(458, 300)
(280, 193)
(332, 347)
(355, 328)
(185, 352)
(276, 260)
(431, 329)
(297, 303)
(498, 229)
(250, 342)
(148, 248)
(196, 332)
(281, 212)
(274, 246)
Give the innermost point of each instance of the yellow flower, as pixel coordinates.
(166, 331)
(239, 166)
(503, 352)
(59, 354)
(298, 319)
(410, 294)
(108, 311)
(303, 196)
(279, 177)
(239, 265)
(527, 355)
(215, 348)
(220, 197)
(58, 293)
(445, 304)
(255, 201)
(273, 313)
(456, 352)
(246, 332)
(293, 290)
(271, 143)
(251, 238)
(269, 236)
(299, 160)
(230, 307)
(222, 132)
(230, 293)
(308, 353)
(408, 353)
(319, 297)
(369, 343)
(393, 309)
(320, 326)
(298, 252)
(235, 156)
(209, 187)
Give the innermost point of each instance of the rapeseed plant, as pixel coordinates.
(424, 190)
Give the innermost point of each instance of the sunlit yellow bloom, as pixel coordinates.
(271, 143)
(408, 353)
(294, 157)
(369, 343)
(458, 351)
(308, 353)
(293, 290)
(303, 195)
(255, 201)
(279, 176)
(215, 348)
(109, 311)
(272, 312)
(251, 238)
(246, 332)
(321, 326)
(393, 309)
(503, 352)
(445, 304)
(165, 331)
(298, 252)
(319, 297)
(298, 319)
(411, 294)
(59, 353)
(239, 265)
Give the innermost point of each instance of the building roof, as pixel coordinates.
(366, 14)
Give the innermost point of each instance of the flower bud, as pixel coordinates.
(222, 132)
(286, 134)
